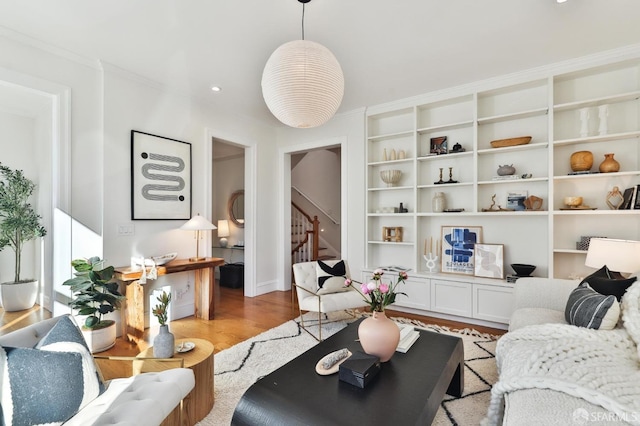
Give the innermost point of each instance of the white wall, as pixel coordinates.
(133, 103)
(18, 146)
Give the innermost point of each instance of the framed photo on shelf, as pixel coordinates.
(489, 260)
(439, 145)
(160, 178)
(458, 244)
(516, 199)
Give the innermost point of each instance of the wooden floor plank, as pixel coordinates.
(237, 318)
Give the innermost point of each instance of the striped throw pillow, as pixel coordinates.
(588, 308)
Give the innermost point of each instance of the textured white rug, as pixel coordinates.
(237, 368)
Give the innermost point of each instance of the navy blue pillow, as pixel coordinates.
(51, 382)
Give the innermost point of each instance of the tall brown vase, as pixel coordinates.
(379, 336)
(609, 165)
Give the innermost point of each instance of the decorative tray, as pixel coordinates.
(501, 143)
(579, 208)
(158, 260)
(185, 347)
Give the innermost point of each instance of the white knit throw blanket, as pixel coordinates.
(600, 367)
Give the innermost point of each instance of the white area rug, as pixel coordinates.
(237, 368)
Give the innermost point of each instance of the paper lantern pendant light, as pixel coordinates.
(302, 84)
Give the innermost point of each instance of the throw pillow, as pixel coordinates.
(590, 309)
(331, 276)
(50, 383)
(631, 313)
(605, 282)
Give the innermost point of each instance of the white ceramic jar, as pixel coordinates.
(439, 202)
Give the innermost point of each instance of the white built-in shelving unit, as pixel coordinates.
(546, 108)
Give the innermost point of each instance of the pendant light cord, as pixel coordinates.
(303, 20)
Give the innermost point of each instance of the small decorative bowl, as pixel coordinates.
(523, 270)
(573, 201)
(390, 177)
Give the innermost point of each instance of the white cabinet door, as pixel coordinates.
(451, 297)
(418, 294)
(492, 303)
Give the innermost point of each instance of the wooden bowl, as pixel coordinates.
(573, 201)
(501, 143)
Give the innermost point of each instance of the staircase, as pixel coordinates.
(305, 237)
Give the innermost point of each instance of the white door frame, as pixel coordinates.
(284, 156)
(250, 185)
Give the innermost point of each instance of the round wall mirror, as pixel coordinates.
(236, 208)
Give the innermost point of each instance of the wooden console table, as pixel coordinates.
(133, 313)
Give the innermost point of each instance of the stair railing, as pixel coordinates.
(304, 234)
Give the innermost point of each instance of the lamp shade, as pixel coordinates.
(198, 223)
(223, 228)
(618, 255)
(302, 84)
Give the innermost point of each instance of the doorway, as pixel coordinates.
(313, 176)
(228, 211)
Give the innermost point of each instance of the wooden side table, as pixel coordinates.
(133, 314)
(199, 402)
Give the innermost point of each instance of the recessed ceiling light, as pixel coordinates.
(561, 1)
(216, 88)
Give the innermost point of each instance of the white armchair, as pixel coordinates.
(306, 286)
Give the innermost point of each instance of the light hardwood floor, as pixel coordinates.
(237, 318)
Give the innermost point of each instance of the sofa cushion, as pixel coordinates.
(588, 308)
(331, 276)
(604, 281)
(50, 383)
(533, 316)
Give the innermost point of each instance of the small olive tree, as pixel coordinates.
(19, 223)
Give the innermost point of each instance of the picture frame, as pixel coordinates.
(489, 260)
(457, 253)
(160, 178)
(439, 145)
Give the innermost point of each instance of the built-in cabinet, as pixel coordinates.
(551, 109)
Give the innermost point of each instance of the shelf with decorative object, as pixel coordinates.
(547, 106)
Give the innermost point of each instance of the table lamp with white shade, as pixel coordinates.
(622, 256)
(223, 232)
(198, 224)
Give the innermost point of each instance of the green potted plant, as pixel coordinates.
(163, 343)
(19, 224)
(95, 294)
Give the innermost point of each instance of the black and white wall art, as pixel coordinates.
(160, 178)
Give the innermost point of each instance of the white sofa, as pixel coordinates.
(541, 395)
(142, 400)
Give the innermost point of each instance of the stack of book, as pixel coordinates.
(631, 198)
(408, 336)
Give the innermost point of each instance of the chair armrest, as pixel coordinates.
(549, 293)
(112, 367)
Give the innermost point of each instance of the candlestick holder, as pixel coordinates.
(431, 260)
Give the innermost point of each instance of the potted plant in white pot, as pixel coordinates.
(95, 294)
(19, 224)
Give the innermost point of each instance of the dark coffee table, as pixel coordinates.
(407, 391)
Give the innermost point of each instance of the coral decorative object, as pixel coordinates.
(581, 161)
(609, 165)
(379, 336)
